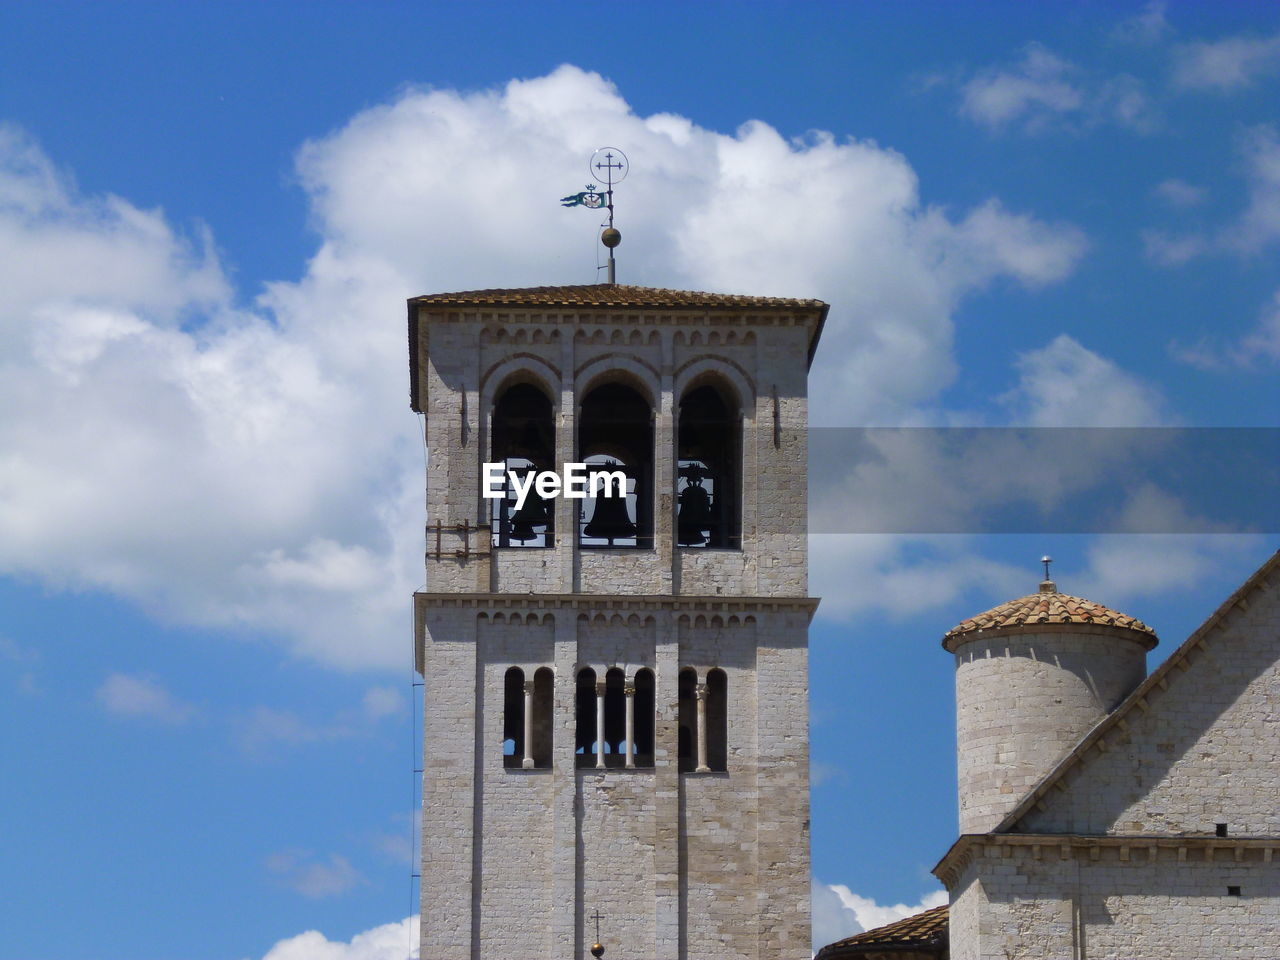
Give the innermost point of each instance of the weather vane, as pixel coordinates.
(610, 165)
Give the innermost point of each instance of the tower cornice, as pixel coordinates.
(1124, 848)
(598, 602)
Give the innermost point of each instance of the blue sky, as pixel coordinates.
(210, 481)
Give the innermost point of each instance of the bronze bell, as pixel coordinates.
(535, 513)
(695, 514)
(610, 520)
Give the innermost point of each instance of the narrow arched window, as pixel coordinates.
(687, 719)
(709, 470)
(524, 442)
(543, 719)
(615, 717)
(513, 718)
(644, 707)
(717, 719)
(584, 741)
(615, 435)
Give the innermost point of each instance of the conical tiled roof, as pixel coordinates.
(1043, 608)
(925, 932)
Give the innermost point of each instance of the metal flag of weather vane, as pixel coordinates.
(610, 165)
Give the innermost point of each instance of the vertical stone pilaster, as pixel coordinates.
(565, 812)
(449, 791)
(666, 848)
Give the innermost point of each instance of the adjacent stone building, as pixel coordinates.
(1105, 813)
(616, 690)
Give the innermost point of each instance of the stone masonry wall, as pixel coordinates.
(467, 358)
(682, 866)
(1205, 750)
(453, 699)
(515, 838)
(1032, 903)
(1023, 701)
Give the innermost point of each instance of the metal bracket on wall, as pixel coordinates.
(436, 532)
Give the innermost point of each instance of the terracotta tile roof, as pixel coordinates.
(614, 295)
(924, 930)
(1046, 607)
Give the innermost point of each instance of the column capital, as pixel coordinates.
(528, 686)
(700, 691)
(629, 688)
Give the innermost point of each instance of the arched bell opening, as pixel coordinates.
(717, 720)
(615, 434)
(615, 717)
(645, 710)
(687, 719)
(524, 441)
(513, 718)
(584, 739)
(708, 469)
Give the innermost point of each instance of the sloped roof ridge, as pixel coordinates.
(611, 294)
(1048, 606)
(922, 929)
(1080, 752)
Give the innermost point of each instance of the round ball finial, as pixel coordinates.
(611, 237)
(597, 950)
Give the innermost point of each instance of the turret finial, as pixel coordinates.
(1047, 585)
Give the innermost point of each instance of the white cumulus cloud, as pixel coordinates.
(901, 575)
(1255, 228)
(1125, 568)
(1043, 91)
(1226, 65)
(1064, 384)
(1179, 193)
(128, 695)
(391, 941)
(1144, 28)
(1257, 347)
(263, 727)
(258, 468)
(1040, 82)
(312, 876)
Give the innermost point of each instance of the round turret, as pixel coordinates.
(1032, 677)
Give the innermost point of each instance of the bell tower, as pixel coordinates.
(616, 690)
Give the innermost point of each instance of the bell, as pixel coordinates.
(534, 513)
(610, 520)
(695, 514)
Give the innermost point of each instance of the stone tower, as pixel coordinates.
(615, 688)
(1033, 676)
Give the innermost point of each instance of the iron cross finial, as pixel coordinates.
(612, 166)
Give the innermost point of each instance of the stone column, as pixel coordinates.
(629, 688)
(527, 762)
(702, 729)
(600, 685)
